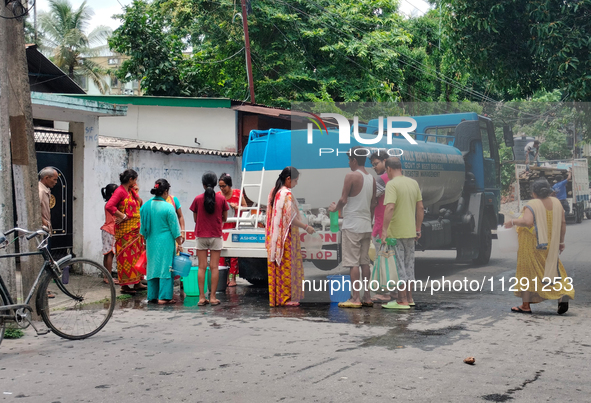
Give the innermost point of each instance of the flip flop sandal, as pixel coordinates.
(412, 304)
(367, 304)
(562, 307)
(128, 291)
(52, 295)
(292, 304)
(203, 303)
(214, 303)
(349, 304)
(517, 309)
(169, 302)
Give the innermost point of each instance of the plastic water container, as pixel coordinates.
(181, 264)
(334, 221)
(191, 282)
(342, 287)
(507, 238)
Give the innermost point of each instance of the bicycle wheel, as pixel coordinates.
(90, 305)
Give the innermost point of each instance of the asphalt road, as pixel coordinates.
(244, 351)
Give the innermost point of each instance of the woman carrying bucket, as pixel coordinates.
(285, 268)
(160, 227)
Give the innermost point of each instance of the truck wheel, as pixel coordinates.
(588, 214)
(485, 247)
(254, 270)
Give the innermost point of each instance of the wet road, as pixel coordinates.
(243, 351)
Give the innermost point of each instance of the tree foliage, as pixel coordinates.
(318, 50)
(64, 38)
(523, 46)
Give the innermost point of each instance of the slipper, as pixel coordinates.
(517, 309)
(292, 303)
(395, 305)
(562, 307)
(52, 295)
(367, 304)
(412, 304)
(214, 303)
(128, 291)
(203, 303)
(141, 288)
(349, 304)
(167, 302)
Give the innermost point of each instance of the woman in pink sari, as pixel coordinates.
(284, 258)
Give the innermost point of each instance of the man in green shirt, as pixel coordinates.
(403, 218)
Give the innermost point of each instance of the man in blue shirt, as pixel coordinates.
(560, 189)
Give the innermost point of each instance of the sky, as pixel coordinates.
(105, 9)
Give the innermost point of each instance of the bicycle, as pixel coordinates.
(83, 303)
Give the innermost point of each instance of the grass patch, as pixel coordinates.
(11, 333)
(123, 297)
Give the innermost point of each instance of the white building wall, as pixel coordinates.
(214, 128)
(102, 165)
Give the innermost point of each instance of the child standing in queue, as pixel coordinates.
(210, 211)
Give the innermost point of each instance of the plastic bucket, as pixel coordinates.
(341, 287)
(507, 238)
(191, 282)
(222, 279)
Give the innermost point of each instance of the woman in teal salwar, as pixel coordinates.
(160, 226)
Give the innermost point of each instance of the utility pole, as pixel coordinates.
(7, 266)
(247, 47)
(15, 85)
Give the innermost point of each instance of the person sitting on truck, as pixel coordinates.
(358, 201)
(540, 233)
(378, 162)
(282, 240)
(403, 219)
(532, 149)
(210, 210)
(560, 189)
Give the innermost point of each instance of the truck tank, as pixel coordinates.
(438, 168)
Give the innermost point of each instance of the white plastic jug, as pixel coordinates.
(507, 238)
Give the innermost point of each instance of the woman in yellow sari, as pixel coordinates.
(284, 258)
(125, 205)
(541, 230)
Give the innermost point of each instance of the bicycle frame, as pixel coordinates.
(47, 266)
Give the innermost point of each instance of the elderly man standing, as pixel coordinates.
(358, 201)
(403, 218)
(47, 180)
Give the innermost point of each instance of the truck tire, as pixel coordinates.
(485, 247)
(579, 216)
(254, 270)
(588, 214)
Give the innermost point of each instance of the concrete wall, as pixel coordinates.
(102, 165)
(214, 128)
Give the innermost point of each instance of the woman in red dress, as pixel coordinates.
(233, 198)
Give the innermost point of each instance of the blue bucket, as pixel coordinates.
(342, 288)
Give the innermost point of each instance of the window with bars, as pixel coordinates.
(53, 141)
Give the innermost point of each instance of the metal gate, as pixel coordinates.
(54, 149)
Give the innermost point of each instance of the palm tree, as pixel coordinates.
(64, 37)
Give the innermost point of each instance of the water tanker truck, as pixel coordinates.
(455, 161)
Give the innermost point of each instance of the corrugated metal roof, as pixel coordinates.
(164, 148)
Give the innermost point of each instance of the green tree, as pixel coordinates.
(69, 47)
(318, 50)
(523, 46)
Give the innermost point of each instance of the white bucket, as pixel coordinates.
(507, 238)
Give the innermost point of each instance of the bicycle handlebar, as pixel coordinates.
(30, 234)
